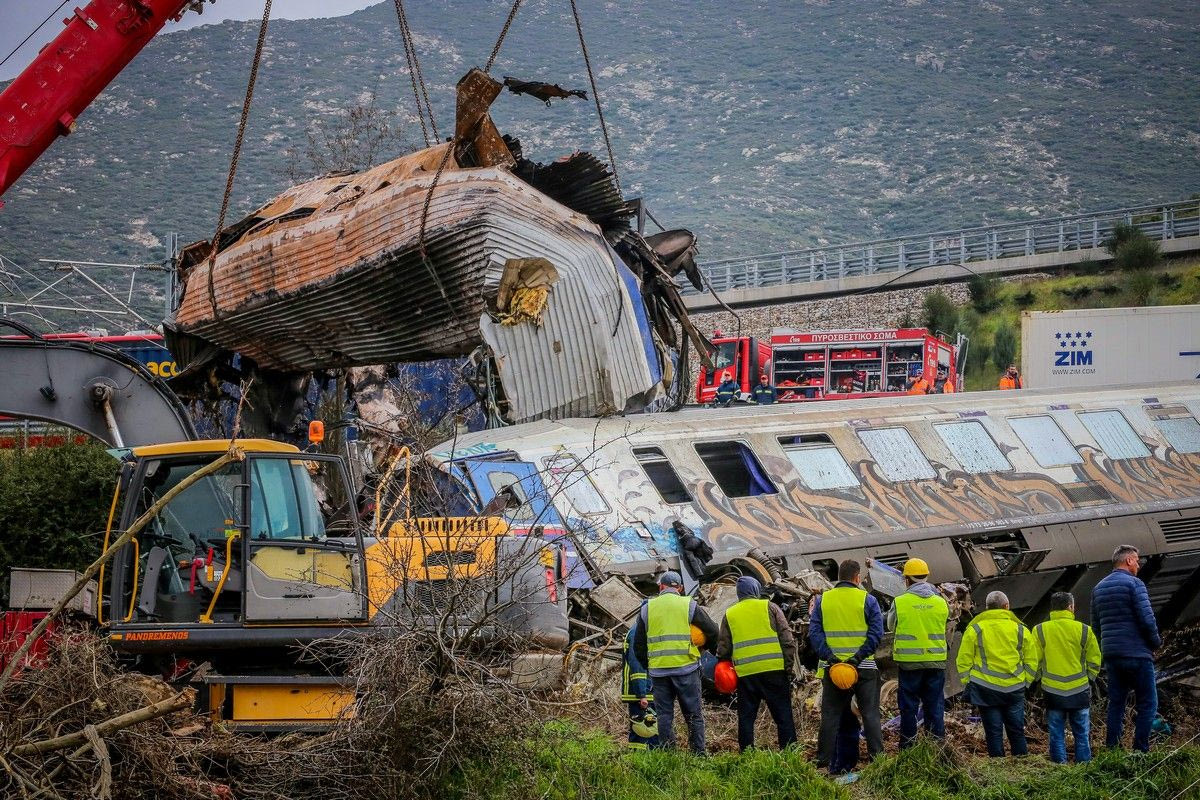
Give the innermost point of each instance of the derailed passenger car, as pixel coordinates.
(1025, 492)
(458, 249)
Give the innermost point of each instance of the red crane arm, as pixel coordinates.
(42, 103)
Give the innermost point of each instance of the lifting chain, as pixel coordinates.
(416, 76)
(512, 12)
(237, 151)
(587, 61)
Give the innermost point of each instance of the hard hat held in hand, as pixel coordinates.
(646, 726)
(916, 568)
(698, 639)
(843, 675)
(724, 677)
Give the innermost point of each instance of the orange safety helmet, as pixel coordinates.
(724, 677)
(843, 675)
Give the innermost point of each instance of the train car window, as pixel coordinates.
(972, 447)
(818, 461)
(566, 476)
(1183, 433)
(662, 474)
(735, 468)
(1114, 435)
(1045, 441)
(897, 454)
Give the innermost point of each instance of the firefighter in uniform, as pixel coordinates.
(764, 392)
(756, 635)
(1070, 660)
(845, 629)
(635, 691)
(919, 618)
(727, 391)
(997, 661)
(663, 642)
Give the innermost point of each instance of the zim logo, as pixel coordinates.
(1071, 349)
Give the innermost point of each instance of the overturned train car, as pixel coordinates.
(1026, 492)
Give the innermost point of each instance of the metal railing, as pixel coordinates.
(910, 253)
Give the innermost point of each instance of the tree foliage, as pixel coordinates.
(54, 503)
(1004, 346)
(985, 293)
(938, 312)
(357, 136)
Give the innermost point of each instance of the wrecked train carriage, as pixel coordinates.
(1027, 492)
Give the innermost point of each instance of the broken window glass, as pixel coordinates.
(662, 474)
(897, 454)
(1114, 434)
(1183, 433)
(1045, 441)
(735, 468)
(567, 477)
(972, 447)
(818, 462)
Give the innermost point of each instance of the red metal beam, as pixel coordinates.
(43, 102)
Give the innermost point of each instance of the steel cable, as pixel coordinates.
(587, 61)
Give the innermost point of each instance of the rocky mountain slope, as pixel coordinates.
(762, 125)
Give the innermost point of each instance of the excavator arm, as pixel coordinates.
(43, 102)
(90, 387)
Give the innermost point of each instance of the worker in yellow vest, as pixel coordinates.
(663, 642)
(844, 629)
(997, 661)
(918, 617)
(755, 634)
(1070, 661)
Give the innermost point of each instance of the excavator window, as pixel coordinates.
(282, 502)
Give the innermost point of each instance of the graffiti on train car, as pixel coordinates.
(954, 497)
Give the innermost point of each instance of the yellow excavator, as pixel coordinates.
(249, 563)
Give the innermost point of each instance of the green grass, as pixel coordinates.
(1178, 284)
(928, 772)
(566, 763)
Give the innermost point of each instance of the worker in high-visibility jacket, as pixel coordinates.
(1070, 661)
(755, 634)
(664, 642)
(845, 625)
(997, 661)
(636, 692)
(918, 618)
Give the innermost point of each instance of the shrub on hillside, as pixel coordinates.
(978, 352)
(1138, 254)
(985, 293)
(939, 312)
(1122, 232)
(1004, 346)
(1140, 288)
(1025, 299)
(54, 503)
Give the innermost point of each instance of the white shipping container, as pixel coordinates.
(1105, 346)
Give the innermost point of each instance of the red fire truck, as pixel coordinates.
(828, 365)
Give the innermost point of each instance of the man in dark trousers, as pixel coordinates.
(1123, 620)
(847, 626)
(919, 618)
(764, 392)
(663, 641)
(755, 634)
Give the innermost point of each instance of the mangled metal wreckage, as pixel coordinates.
(464, 248)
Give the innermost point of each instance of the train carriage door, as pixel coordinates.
(303, 548)
(512, 489)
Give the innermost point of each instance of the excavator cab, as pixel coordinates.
(271, 540)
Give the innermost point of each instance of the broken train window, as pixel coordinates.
(662, 474)
(1181, 432)
(1114, 434)
(1045, 441)
(735, 468)
(972, 447)
(897, 454)
(818, 461)
(567, 477)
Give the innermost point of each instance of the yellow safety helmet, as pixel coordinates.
(698, 639)
(843, 675)
(916, 568)
(646, 725)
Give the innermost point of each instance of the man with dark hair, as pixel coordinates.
(844, 629)
(764, 392)
(1070, 660)
(1124, 622)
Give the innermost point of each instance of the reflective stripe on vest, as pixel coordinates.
(1000, 680)
(844, 618)
(1064, 668)
(669, 633)
(756, 645)
(920, 628)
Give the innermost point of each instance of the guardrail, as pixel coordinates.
(909, 253)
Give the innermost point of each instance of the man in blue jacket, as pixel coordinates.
(1124, 622)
